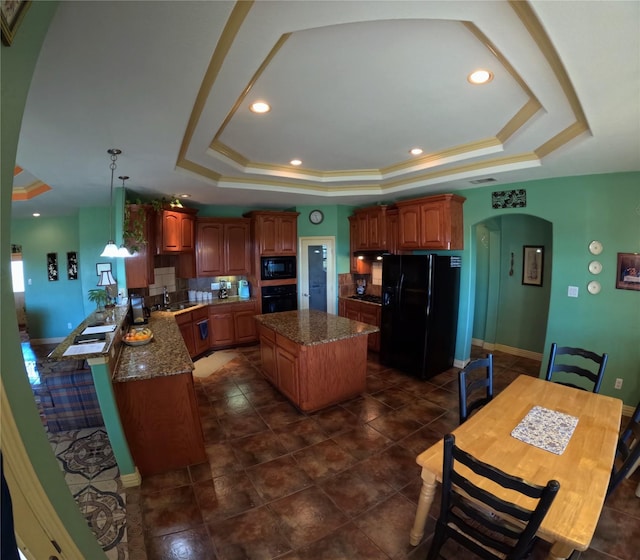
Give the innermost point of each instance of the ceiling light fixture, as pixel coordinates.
(111, 249)
(479, 77)
(123, 251)
(184, 195)
(260, 107)
(415, 151)
(36, 214)
(296, 162)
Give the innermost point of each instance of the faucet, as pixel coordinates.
(165, 297)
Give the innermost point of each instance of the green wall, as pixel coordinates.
(579, 209)
(18, 62)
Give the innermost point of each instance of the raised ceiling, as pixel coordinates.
(351, 90)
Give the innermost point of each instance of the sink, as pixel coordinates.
(179, 307)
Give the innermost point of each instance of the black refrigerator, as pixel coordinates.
(420, 295)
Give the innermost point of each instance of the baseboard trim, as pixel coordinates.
(131, 480)
(519, 352)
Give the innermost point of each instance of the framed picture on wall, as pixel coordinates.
(102, 267)
(11, 14)
(628, 271)
(72, 265)
(532, 265)
(52, 266)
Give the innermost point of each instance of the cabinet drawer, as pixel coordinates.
(264, 332)
(287, 345)
(199, 314)
(184, 318)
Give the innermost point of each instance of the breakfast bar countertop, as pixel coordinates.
(165, 355)
(308, 327)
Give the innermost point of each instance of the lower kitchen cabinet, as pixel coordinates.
(222, 331)
(185, 324)
(233, 323)
(197, 336)
(268, 354)
(161, 422)
(364, 312)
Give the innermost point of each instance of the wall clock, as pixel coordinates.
(316, 217)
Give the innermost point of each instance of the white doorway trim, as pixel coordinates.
(303, 272)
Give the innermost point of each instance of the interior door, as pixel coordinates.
(317, 278)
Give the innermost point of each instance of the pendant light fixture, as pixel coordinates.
(123, 251)
(111, 249)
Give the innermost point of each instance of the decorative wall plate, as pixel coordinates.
(595, 267)
(594, 287)
(595, 247)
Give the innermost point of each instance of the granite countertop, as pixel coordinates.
(119, 320)
(190, 305)
(165, 355)
(308, 327)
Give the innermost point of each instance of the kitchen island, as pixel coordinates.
(154, 390)
(315, 359)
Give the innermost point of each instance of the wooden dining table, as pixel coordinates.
(582, 469)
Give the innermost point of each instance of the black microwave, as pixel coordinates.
(277, 268)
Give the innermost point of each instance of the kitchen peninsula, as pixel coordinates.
(315, 359)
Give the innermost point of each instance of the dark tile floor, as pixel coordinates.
(341, 483)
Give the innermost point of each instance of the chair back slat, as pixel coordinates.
(489, 526)
(594, 376)
(627, 452)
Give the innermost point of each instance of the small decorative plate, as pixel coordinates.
(595, 267)
(595, 247)
(594, 287)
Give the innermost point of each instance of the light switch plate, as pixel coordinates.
(573, 291)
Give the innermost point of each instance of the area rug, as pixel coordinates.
(212, 363)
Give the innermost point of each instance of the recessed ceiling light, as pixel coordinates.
(480, 77)
(415, 151)
(260, 107)
(36, 214)
(295, 162)
(184, 195)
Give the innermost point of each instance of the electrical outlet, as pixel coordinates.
(69, 326)
(215, 285)
(618, 384)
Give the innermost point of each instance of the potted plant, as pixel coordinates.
(99, 297)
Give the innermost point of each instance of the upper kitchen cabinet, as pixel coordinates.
(358, 266)
(139, 237)
(223, 246)
(392, 231)
(372, 228)
(175, 231)
(274, 233)
(433, 222)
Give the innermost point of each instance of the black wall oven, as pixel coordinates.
(277, 268)
(279, 298)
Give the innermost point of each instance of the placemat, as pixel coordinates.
(547, 429)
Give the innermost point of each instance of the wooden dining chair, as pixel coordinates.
(593, 375)
(480, 521)
(474, 392)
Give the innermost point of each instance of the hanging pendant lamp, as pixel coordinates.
(111, 249)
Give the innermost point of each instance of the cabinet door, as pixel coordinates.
(376, 229)
(409, 227)
(245, 326)
(171, 231)
(370, 315)
(268, 235)
(352, 312)
(363, 231)
(222, 331)
(433, 226)
(288, 235)
(186, 329)
(287, 366)
(139, 268)
(392, 231)
(237, 254)
(210, 249)
(268, 358)
(187, 232)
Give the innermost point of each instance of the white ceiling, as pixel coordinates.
(353, 86)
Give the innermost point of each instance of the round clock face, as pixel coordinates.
(593, 287)
(316, 216)
(595, 267)
(595, 247)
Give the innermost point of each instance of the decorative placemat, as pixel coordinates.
(547, 429)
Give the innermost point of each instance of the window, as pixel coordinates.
(17, 275)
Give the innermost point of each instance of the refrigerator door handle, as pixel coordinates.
(400, 287)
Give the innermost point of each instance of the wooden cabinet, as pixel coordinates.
(161, 422)
(372, 228)
(223, 246)
(274, 233)
(232, 323)
(365, 313)
(139, 268)
(287, 368)
(185, 324)
(434, 222)
(268, 354)
(197, 338)
(357, 266)
(392, 231)
(175, 231)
